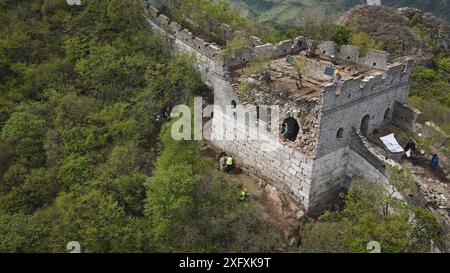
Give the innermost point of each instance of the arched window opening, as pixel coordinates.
(290, 129)
(387, 115)
(233, 103)
(340, 133)
(365, 125)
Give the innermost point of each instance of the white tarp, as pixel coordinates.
(392, 144)
(74, 2)
(374, 2)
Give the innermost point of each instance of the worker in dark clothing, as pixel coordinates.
(284, 130)
(411, 145)
(434, 161)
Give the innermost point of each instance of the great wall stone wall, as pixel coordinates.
(314, 178)
(265, 157)
(373, 58)
(345, 105)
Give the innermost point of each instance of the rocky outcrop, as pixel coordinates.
(436, 29)
(403, 31)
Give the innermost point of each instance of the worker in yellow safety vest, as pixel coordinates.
(337, 75)
(229, 164)
(243, 195)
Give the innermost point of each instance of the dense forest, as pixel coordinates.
(83, 156)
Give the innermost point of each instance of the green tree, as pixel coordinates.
(342, 35)
(432, 83)
(302, 68)
(14, 176)
(18, 233)
(366, 217)
(171, 188)
(226, 224)
(83, 94)
(75, 170)
(72, 109)
(27, 132)
(38, 189)
(120, 177)
(191, 208)
(365, 42)
(93, 219)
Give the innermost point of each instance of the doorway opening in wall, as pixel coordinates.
(387, 114)
(234, 104)
(290, 129)
(340, 133)
(365, 125)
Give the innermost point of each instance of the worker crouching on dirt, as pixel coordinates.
(411, 145)
(230, 164)
(243, 195)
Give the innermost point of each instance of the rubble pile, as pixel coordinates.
(435, 196)
(300, 102)
(288, 209)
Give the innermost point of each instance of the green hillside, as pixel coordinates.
(288, 12)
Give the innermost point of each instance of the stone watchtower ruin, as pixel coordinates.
(328, 116)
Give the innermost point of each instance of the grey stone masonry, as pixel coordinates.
(347, 103)
(405, 116)
(262, 154)
(372, 58)
(349, 109)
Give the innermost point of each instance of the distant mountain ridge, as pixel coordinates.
(288, 12)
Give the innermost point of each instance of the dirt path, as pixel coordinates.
(434, 184)
(279, 208)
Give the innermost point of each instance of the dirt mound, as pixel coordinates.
(279, 208)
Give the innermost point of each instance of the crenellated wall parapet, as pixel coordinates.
(210, 50)
(256, 47)
(372, 58)
(356, 88)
